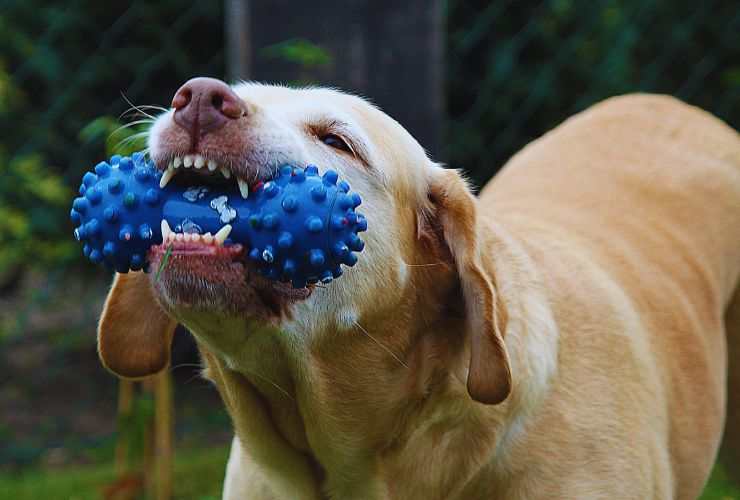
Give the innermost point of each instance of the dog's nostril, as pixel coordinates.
(217, 101)
(182, 98)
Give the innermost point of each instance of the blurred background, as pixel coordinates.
(474, 81)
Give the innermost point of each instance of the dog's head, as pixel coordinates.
(423, 257)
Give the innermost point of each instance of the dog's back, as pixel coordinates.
(647, 189)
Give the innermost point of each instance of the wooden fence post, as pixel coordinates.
(163, 429)
(389, 51)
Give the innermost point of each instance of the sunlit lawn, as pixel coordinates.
(198, 476)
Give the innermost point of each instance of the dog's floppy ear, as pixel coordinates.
(454, 214)
(134, 333)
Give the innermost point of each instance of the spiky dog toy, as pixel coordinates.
(299, 227)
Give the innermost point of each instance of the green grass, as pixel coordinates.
(720, 487)
(198, 476)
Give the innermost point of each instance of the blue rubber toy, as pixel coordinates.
(299, 227)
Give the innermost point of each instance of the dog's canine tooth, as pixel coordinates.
(166, 231)
(225, 172)
(188, 161)
(171, 237)
(222, 234)
(177, 162)
(199, 161)
(208, 238)
(167, 175)
(243, 188)
(212, 165)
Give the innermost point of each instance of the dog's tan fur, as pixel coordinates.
(560, 336)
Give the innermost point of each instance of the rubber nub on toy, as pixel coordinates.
(299, 227)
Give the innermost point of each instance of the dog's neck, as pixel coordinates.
(347, 411)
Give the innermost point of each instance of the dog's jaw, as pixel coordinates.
(220, 282)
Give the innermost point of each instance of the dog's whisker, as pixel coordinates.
(186, 365)
(129, 115)
(385, 348)
(136, 122)
(133, 137)
(425, 265)
(197, 376)
(275, 385)
(150, 106)
(129, 125)
(134, 106)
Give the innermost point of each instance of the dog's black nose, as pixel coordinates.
(203, 105)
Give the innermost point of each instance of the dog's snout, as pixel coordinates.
(203, 105)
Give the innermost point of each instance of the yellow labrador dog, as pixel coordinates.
(562, 336)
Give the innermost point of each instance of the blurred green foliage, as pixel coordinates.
(517, 69)
(67, 70)
(303, 56)
(33, 200)
(299, 51)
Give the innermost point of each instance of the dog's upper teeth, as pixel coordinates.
(225, 172)
(212, 165)
(243, 188)
(167, 175)
(222, 234)
(208, 238)
(199, 161)
(188, 161)
(177, 162)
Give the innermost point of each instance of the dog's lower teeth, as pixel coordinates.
(222, 234)
(166, 231)
(212, 166)
(169, 236)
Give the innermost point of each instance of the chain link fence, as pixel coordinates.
(70, 73)
(516, 69)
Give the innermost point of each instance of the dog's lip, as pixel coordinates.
(233, 254)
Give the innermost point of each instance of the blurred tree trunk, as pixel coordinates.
(390, 52)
